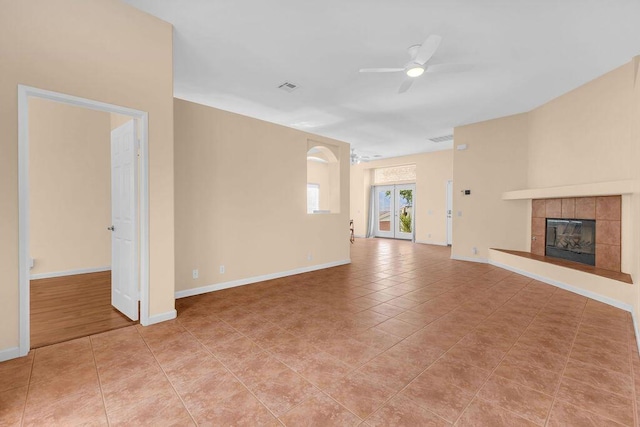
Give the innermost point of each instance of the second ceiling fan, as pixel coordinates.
(420, 55)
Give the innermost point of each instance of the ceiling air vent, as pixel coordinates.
(444, 138)
(288, 86)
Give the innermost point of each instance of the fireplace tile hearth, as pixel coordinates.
(569, 208)
(608, 257)
(605, 210)
(586, 207)
(608, 208)
(554, 208)
(538, 208)
(608, 232)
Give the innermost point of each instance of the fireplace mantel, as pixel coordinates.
(582, 190)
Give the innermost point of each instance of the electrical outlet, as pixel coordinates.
(222, 269)
(309, 256)
(195, 273)
(474, 250)
(429, 235)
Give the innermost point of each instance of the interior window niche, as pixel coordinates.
(394, 174)
(323, 178)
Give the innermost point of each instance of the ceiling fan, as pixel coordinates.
(357, 158)
(420, 55)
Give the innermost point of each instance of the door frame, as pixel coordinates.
(449, 211)
(24, 92)
(393, 214)
(392, 218)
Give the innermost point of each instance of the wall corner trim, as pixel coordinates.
(249, 280)
(471, 259)
(162, 317)
(9, 353)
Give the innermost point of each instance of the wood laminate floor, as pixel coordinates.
(64, 308)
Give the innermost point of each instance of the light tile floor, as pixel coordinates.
(402, 336)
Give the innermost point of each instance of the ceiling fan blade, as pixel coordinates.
(380, 70)
(405, 85)
(427, 49)
(449, 68)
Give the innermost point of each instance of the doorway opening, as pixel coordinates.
(449, 213)
(87, 271)
(394, 211)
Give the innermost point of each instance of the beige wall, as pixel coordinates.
(318, 173)
(584, 136)
(495, 161)
(101, 50)
(241, 199)
(69, 187)
(433, 170)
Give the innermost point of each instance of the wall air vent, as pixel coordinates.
(288, 86)
(444, 138)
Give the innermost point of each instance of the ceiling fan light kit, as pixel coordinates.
(420, 55)
(415, 70)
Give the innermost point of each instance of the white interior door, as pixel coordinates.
(449, 212)
(124, 215)
(404, 202)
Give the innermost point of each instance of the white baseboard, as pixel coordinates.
(428, 242)
(69, 272)
(9, 353)
(471, 259)
(360, 236)
(241, 282)
(606, 300)
(162, 317)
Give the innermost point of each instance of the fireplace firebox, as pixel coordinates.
(571, 239)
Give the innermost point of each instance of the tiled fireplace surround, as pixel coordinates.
(606, 210)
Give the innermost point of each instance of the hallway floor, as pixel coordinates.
(68, 307)
(402, 336)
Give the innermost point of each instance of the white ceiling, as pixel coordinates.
(233, 54)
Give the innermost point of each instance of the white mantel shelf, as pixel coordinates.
(612, 188)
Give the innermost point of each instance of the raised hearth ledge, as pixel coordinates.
(612, 188)
(613, 275)
(610, 291)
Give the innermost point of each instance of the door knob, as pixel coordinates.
(112, 228)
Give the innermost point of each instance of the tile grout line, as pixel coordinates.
(26, 396)
(166, 376)
(228, 370)
(443, 354)
(95, 365)
(583, 382)
(566, 363)
(633, 348)
(475, 395)
(293, 370)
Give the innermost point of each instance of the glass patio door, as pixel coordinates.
(394, 217)
(404, 196)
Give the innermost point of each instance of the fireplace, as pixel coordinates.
(571, 239)
(603, 211)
